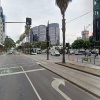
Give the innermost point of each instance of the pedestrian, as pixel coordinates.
(96, 55)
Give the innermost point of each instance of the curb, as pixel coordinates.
(72, 82)
(79, 69)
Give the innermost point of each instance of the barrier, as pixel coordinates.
(72, 58)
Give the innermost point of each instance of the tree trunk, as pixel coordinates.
(63, 30)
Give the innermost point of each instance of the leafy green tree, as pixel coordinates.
(8, 44)
(22, 36)
(78, 44)
(87, 45)
(41, 44)
(63, 4)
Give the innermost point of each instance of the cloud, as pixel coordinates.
(43, 10)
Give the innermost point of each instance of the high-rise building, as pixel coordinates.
(38, 33)
(96, 20)
(34, 34)
(2, 26)
(54, 33)
(85, 35)
(42, 32)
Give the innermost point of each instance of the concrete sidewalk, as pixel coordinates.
(88, 82)
(84, 67)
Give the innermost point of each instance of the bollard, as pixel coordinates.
(90, 58)
(82, 60)
(94, 60)
(77, 58)
(73, 58)
(69, 57)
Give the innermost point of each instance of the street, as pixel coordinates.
(21, 78)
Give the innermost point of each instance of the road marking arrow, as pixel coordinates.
(56, 83)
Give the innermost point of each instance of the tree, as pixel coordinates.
(22, 36)
(63, 4)
(41, 44)
(8, 44)
(27, 29)
(78, 44)
(87, 45)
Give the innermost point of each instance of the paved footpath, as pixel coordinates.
(88, 82)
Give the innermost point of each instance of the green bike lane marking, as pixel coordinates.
(10, 70)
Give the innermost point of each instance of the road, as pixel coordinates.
(74, 57)
(21, 78)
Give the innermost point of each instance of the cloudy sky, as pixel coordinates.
(43, 10)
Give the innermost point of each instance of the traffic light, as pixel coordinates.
(28, 21)
(67, 44)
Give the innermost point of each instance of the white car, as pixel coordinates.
(55, 53)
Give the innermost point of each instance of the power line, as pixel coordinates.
(79, 17)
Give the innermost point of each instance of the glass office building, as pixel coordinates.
(96, 20)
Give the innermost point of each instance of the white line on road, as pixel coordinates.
(32, 85)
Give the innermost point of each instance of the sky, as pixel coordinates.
(43, 10)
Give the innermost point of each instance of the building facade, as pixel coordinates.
(54, 33)
(85, 35)
(96, 20)
(42, 32)
(38, 33)
(2, 26)
(34, 34)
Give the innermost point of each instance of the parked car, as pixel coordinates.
(95, 51)
(55, 53)
(32, 53)
(79, 53)
(72, 52)
(37, 50)
(44, 51)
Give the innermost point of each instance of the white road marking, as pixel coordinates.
(56, 83)
(32, 85)
(22, 72)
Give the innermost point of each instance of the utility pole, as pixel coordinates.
(47, 37)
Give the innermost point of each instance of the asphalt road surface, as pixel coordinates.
(21, 78)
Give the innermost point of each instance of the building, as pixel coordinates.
(54, 33)
(38, 33)
(42, 32)
(85, 35)
(96, 20)
(34, 34)
(2, 26)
